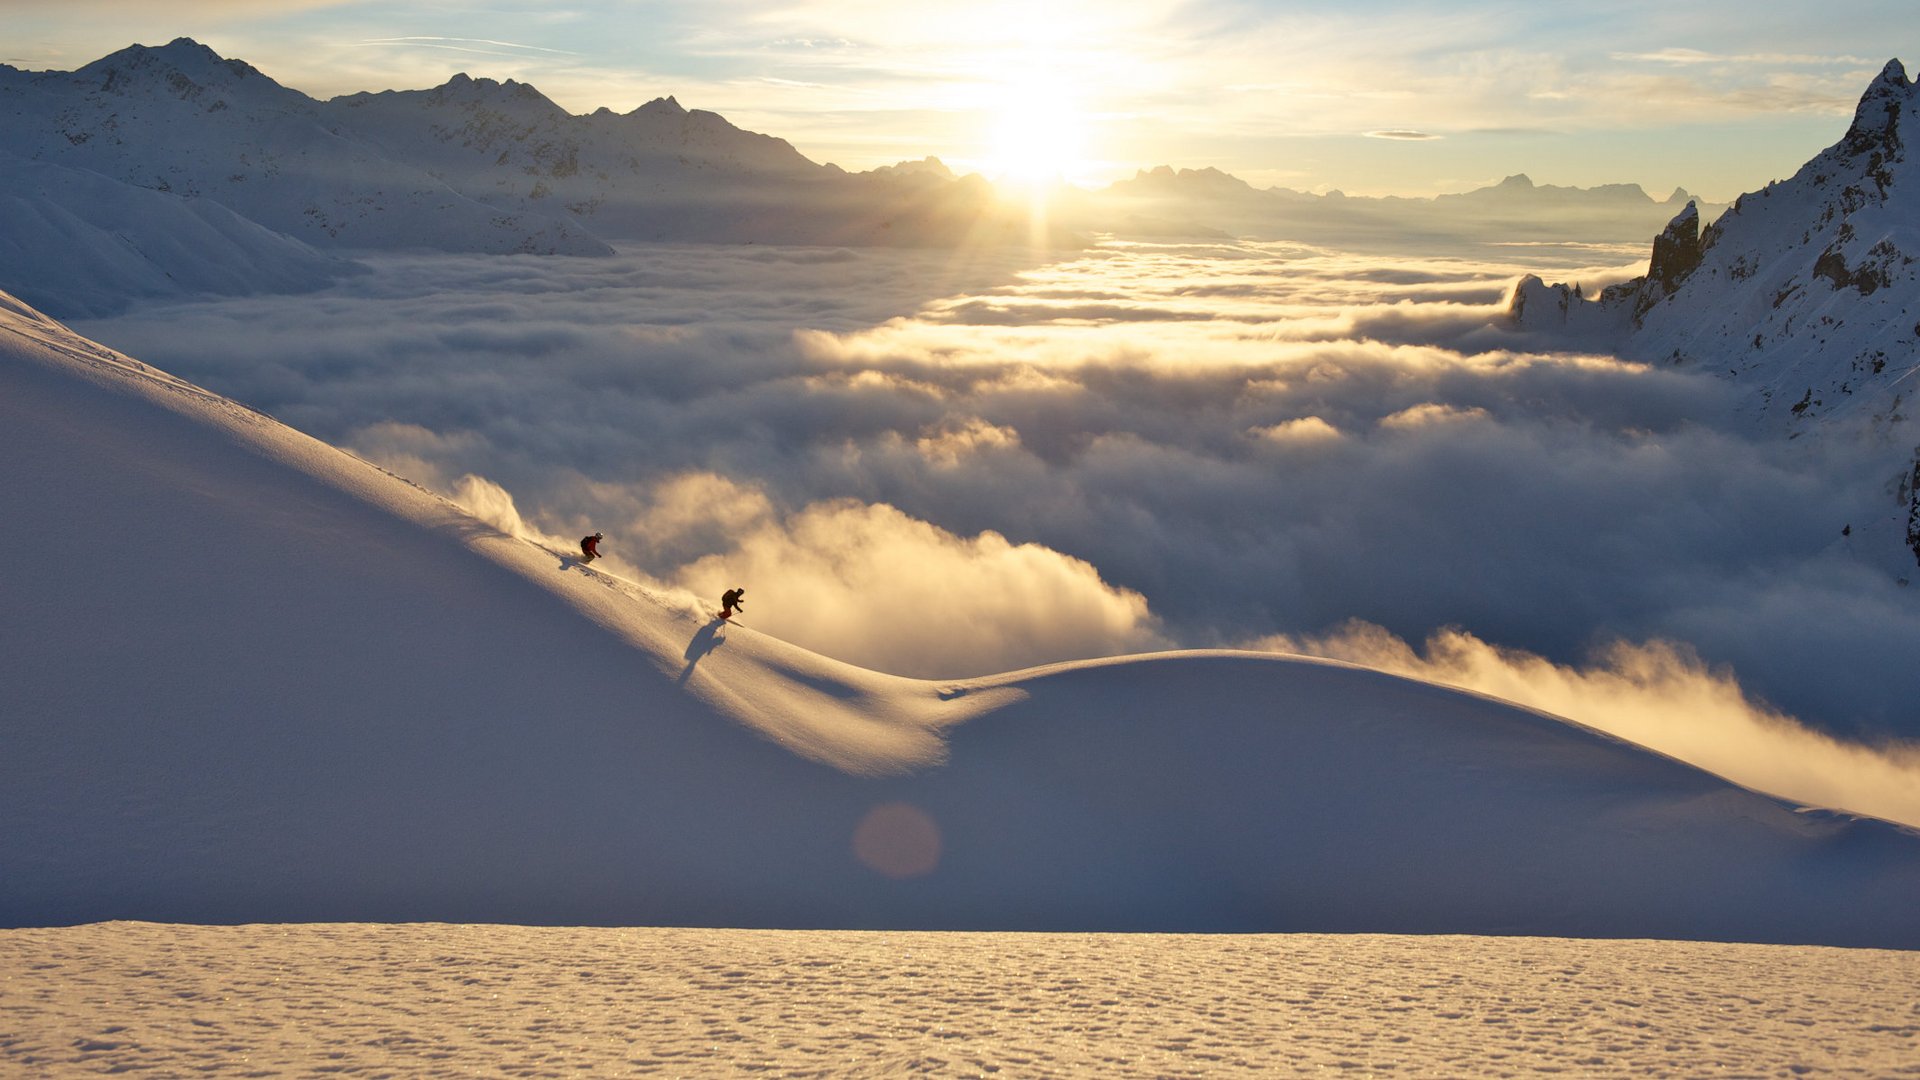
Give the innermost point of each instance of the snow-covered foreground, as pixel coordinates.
(449, 1000)
(249, 678)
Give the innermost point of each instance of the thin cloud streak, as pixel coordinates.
(1696, 56)
(462, 45)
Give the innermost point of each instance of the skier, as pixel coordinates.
(730, 600)
(589, 548)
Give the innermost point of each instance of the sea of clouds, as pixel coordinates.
(945, 464)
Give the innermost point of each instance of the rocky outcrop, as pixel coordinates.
(1806, 294)
(1913, 506)
(1676, 251)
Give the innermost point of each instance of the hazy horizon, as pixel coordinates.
(1398, 97)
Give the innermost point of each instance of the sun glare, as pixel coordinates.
(1037, 138)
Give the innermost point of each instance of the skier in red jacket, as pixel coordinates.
(589, 548)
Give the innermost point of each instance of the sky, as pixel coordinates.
(1410, 97)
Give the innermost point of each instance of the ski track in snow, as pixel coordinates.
(442, 1000)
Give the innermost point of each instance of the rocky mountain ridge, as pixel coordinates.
(1807, 292)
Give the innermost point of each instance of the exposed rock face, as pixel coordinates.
(1913, 506)
(1676, 251)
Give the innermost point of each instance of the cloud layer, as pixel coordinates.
(946, 465)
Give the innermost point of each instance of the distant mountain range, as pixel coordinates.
(482, 166)
(1807, 291)
(1515, 211)
(471, 166)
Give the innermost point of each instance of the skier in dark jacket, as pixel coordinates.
(731, 600)
(590, 548)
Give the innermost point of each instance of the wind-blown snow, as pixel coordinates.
(255, 679)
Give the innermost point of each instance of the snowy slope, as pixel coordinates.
(85, 245)
(248, 677)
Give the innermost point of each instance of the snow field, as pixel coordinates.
(429, 1000)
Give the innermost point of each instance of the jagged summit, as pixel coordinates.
(1520, 186)
(1207, 182)
(1676, 251)
(925, 168)
(667, 106)
(524, 101)
(521, 99)
(1882, 95)
(462, 82)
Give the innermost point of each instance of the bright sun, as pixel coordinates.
(1037, 137)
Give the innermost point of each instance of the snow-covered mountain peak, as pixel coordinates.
(1876, 120)
(1805, 293)
(183, 65)
(661, 106)
(513, 96)
(520, 102)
